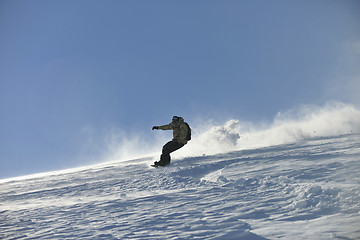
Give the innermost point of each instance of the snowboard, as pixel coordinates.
(156, 166)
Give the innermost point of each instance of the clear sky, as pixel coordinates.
(72, 71)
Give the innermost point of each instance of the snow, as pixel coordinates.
(307, 189)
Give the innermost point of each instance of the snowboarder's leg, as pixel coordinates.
(167, 149)
(165, 159)
(171, 147)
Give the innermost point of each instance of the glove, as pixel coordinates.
(155, 127)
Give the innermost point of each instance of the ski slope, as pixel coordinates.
(308, 189)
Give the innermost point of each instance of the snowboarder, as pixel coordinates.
(181, 135)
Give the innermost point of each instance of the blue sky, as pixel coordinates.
(70, 69)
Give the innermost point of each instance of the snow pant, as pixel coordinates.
(167, 149)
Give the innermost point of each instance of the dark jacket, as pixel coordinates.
(180, 131)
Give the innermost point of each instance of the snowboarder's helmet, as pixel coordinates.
(175, 118)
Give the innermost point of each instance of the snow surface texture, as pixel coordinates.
(304, 190)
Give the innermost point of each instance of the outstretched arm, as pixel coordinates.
(163, 127)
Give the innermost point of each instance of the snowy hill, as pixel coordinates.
(303, 190)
